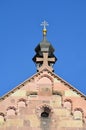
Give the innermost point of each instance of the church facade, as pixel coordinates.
(44, 101)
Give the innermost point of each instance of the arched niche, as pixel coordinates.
(11, 111)
(45, 85)
(2, 119)
(45, 79)
(78, 114)
(68, 104)
(22, 103)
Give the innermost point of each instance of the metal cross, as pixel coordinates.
(44, 24)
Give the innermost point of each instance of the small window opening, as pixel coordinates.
(45, 113)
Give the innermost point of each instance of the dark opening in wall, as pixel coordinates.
(46, 112)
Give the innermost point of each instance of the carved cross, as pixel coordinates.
(45, 61)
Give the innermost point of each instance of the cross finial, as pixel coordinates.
(44, 24)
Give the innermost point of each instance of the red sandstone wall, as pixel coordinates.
(22, 108)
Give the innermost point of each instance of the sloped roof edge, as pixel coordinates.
(52, 73)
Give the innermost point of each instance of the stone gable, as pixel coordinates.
(44, 101)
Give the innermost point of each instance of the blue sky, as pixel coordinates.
(20, 32)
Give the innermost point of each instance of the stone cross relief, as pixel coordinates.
(45, 60)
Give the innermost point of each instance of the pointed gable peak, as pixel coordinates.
(55, 79)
